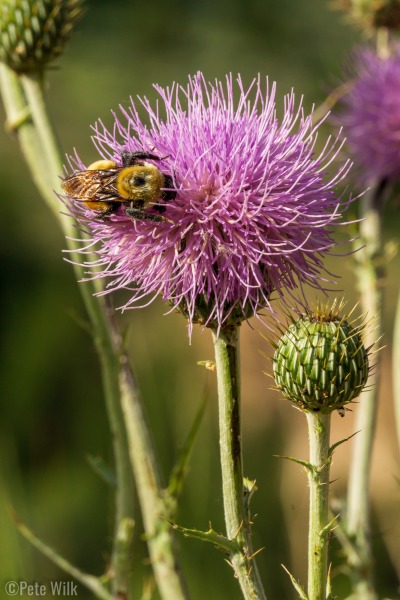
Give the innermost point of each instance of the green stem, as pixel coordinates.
(318, 478)
(19, 120)
(89, 581)
(369, 273)
(101, 314)
(32, 85)
(156, 506)
(237, 518)
(43, 156)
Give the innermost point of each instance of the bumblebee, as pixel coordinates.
(137, 185)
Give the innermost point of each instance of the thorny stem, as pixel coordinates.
(156, 505)
(318, 528)
(369, 271)
(237, 519)
(27, 115)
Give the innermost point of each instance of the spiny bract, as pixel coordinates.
(34, 33)
(320, 362)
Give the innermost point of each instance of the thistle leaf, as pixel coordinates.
(296, 585)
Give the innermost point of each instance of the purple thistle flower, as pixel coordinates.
(371, 116)
(253, 209)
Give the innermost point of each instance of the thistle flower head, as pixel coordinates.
(33, 33)
(371, 115)
(320, 362)
(251, 208)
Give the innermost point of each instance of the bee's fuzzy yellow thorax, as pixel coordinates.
(142, 182)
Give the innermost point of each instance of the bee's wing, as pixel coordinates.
(97, 185)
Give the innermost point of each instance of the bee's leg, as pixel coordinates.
(137, 214)
(111, 208)
(169, 194)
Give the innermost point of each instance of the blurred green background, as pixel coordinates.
(52, 410)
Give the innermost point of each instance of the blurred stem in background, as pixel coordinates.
(28, 118)
(369, 265)
(369, 269)
(396, 368)
(373, 140)
(157, 505)
(237, 518)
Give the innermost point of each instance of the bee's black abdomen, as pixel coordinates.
(130, 159)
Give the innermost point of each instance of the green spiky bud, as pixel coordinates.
(33, 33)
(320, 362)
(372, 14)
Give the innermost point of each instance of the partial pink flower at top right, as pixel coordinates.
(371, 116)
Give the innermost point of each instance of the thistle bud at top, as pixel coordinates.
(33, 33)
(372, 14)
(320, 362)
